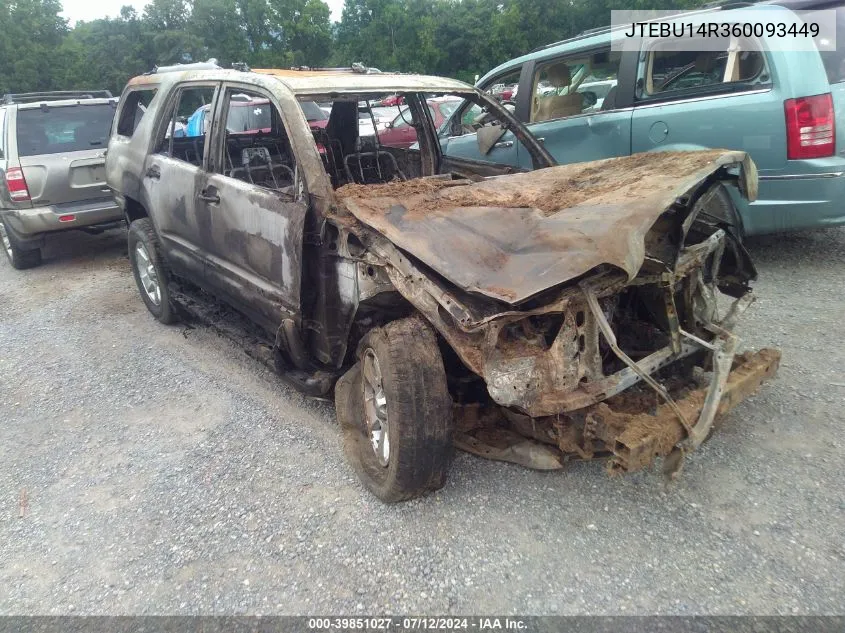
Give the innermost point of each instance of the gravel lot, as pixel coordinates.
(167, 473)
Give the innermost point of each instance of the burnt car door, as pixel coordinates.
(169, 182)
(254, 196)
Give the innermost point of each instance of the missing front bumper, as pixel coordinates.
(630, 430)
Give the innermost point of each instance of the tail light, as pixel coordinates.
(15, 181)
(810, 127)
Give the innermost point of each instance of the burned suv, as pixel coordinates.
(566, 312)
(52, 169)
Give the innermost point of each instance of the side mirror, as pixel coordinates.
(388, 125)
(589, 99)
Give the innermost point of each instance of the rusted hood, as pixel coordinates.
(512, 237)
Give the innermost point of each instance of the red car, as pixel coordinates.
(400, 133)
(394, 100)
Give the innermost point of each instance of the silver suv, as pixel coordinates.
(52, 168)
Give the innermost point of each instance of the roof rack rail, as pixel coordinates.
(211, 64)
(35, 97)
(729, 4)
(354, 68)
(582, 35)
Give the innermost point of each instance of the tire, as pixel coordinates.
(420, 428)
(717, 204)
(19, 257)
(143, 241)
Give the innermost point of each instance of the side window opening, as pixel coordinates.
(358, 143)
(573, 86)
(664, 71)
(503, 88)
(181, 138)
(134, 108)
(256, 148)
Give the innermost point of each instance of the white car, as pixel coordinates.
(380, 115)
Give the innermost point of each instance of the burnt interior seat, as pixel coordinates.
(258, 166)
(331, 152)
(189, 148)
(367, 168)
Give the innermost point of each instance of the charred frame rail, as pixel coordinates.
(646, 436)
(631, 441)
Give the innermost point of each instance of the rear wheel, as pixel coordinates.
(152, 275)
(396, 413)
(20, 258)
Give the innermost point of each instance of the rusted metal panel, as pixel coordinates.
(622, 428)
(255, 244)
(318, 82)
(646, 436)
(514, 237)
(327, 82)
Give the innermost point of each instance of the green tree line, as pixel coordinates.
(39, 50)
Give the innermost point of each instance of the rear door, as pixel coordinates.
(577, 109)
(61, 149)
(169, 186)
(254, 198)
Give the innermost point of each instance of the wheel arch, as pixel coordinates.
(134, 210)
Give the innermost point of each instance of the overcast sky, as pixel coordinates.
(93, 9)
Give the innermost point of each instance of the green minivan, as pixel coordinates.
(586, 99)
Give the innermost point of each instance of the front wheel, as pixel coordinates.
(396, 413)
(152, 275)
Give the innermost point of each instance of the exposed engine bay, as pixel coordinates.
(594, 328)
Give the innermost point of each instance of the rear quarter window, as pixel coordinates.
(133, 109)
(58, 129)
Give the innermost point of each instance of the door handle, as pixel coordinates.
(503, 144)
(210, 196)
(154, 172)
(541, 140)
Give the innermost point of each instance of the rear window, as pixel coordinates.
(249, 117)
(134, 108)
(312, 111)
(55, 130)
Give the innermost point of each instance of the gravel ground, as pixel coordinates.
(167, 473)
